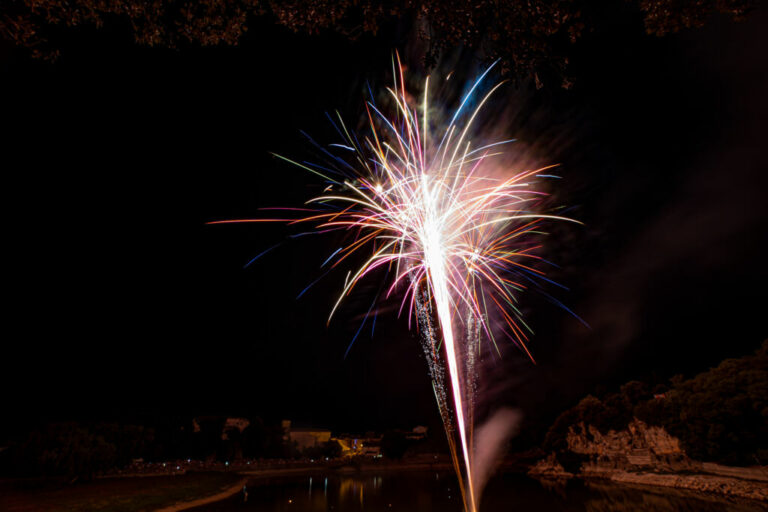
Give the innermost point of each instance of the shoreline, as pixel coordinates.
(707, 484)
(701, 482)
(715, 483)
(258, 474)
(199, 502)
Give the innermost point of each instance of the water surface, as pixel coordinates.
(427, 492)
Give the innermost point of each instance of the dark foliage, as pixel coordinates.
(82, 450)
(572, 462)
(331, 449)
(207, 440)
(527, 36)
(720, 415)
(663, 16)
(394, 445)
(75, 450)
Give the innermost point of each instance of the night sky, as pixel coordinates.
(121, 303)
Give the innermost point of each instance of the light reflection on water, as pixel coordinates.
(427, 492)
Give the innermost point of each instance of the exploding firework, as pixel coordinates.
(417, 197)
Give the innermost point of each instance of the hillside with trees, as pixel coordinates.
(720, 415)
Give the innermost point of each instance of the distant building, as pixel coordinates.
(309, 437)
(418, 433)
(350, 446)
(305, 437)
(367, 445)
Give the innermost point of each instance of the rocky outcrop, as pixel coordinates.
(648, 455)
(639, 446)
(549, 467)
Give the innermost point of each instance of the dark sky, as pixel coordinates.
(122, 303)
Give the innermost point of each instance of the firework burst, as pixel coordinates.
(419, 201)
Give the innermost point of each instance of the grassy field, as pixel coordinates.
(112, 494)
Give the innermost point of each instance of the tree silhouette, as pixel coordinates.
(525, 36)
(720, 415)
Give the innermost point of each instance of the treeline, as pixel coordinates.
(720, 415)
(84, 449)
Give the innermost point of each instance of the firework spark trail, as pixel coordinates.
(434, 218)
(434, 258)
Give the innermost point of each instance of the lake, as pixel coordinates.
(409, 491)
